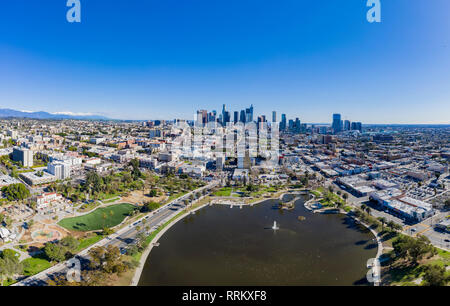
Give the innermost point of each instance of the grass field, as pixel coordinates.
(34, 265)
(223, 192)
(101, 217)
(86, 242)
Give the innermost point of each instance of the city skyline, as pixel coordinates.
(308, 60)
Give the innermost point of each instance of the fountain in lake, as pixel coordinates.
(275, 227)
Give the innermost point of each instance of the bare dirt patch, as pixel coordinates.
(140, 197)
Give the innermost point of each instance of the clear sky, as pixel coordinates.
(162, 59)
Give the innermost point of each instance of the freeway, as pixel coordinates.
(122, 238)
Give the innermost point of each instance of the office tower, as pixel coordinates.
(291, 125)
(297, 126)
(202, 116)
(224, 116)
(303, 127)
(227, 117)
(283, 122)
(347, 125)
(336, 125)
(249, 114)
(242, 117)
(212, 117)
(356, 126)
(274, 116)
(236, 117)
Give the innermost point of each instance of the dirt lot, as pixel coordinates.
(140, 197)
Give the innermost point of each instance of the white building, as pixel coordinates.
(59, 169)
(405, 206)
(43, 201)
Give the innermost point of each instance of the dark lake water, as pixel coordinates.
(220, 245)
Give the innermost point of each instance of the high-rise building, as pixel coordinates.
(357, 126)
(224, 116)
(242, 116)
(291, 125)
(236, 117)
(202, 117)
(274, 116)
(249, 114)
(346, 125)
(336, 125)
(59, 169)
(283, 122)
(23, 155)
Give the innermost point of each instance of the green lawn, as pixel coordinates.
(223, 192)
(101, 217)
(86, 242)
(34, 265)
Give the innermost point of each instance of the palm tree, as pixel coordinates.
(383, 221)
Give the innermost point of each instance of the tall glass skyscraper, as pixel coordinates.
(283, 122)
(336, 125)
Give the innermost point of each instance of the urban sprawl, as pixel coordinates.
(56, 172)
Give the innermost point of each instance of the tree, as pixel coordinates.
(135, 172)
(153, 193)
(55, 252)
(345, 196)
(447, 203)
(69, 243)
(383, 222)
(150, 206)
(412, 249)
(15, 192)
(435, 276)
(9, 267)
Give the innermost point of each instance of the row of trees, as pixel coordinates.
(105, 263)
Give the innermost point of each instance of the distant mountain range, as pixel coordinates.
(6, 112)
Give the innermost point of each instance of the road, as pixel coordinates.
(122, 238)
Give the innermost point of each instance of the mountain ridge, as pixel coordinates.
(7, 112)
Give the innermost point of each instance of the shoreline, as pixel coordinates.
(146, 253)
(375, 233)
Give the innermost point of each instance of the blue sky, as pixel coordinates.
(162, 59)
